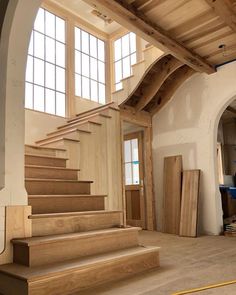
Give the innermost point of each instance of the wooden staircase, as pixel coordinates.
(76, 244)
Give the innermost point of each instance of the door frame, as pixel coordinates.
(143, 120)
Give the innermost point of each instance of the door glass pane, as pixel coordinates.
(135, 173)
(50, 101)
(60, 104)
(50, 76)
(50, 22)
(38, 98)
(28, 95)
(127, 151)
(60, 29)
(135, 149)
(128, 174)
(60, 54)
(38, 72)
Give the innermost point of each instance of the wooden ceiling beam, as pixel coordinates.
(166, 67)
(223, 10)
(138, 23)
(170, 88)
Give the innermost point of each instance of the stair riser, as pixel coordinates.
(40, 152)
(56, 188)
(44, 173)
(73, 224)
(65, 250)
(66, 204)
(90, 277)
(40, 161)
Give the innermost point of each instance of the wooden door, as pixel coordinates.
(134, 188)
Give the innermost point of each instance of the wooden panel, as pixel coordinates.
(172, 194)
(189, 205)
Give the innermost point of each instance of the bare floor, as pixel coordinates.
(186, 263)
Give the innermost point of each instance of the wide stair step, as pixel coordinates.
(36, 171)
(78, 274)
(31, 159)
(35, 186)
(46, 250)
(72, 222)
(42, 204)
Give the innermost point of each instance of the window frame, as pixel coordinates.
(46, 62)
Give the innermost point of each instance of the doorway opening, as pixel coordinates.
(226, 160)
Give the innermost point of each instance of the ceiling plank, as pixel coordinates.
(170, 88)
(166, 67)
(137, 22)
(225, 13)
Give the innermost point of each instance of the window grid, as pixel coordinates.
(118, 84)
(133, 162)
(79, 75)
(35, 58)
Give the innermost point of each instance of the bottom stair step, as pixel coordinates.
(78, 274)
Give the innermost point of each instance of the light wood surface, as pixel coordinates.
(172, 194)
(40, 160)
(54, 223)
(189, 203)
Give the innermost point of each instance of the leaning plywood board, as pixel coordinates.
(172, 194)
(189, 205)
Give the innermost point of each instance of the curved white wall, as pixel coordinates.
(187, 125)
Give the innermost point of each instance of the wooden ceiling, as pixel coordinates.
(200, 33)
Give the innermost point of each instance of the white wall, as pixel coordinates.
(188, 126)
(38, 124)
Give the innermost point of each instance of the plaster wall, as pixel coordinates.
(188, 126)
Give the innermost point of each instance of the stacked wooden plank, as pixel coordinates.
(181, 196)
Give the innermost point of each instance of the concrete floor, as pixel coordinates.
(186, 263)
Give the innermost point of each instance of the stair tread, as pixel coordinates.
(58, 180)
(67, 196)
(47, 148)
(51, 167)
(65, 131)
(55, 215)
(45, 156)
(52, 270)
(71, 236)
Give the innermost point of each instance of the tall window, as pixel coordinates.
(89, 66)
(45, 73)
(131, 162)
(125, 57)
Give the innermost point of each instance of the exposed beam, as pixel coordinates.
(222, 9)
(180, 76)
(166, 67)
(128, 114)
(137, 22)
